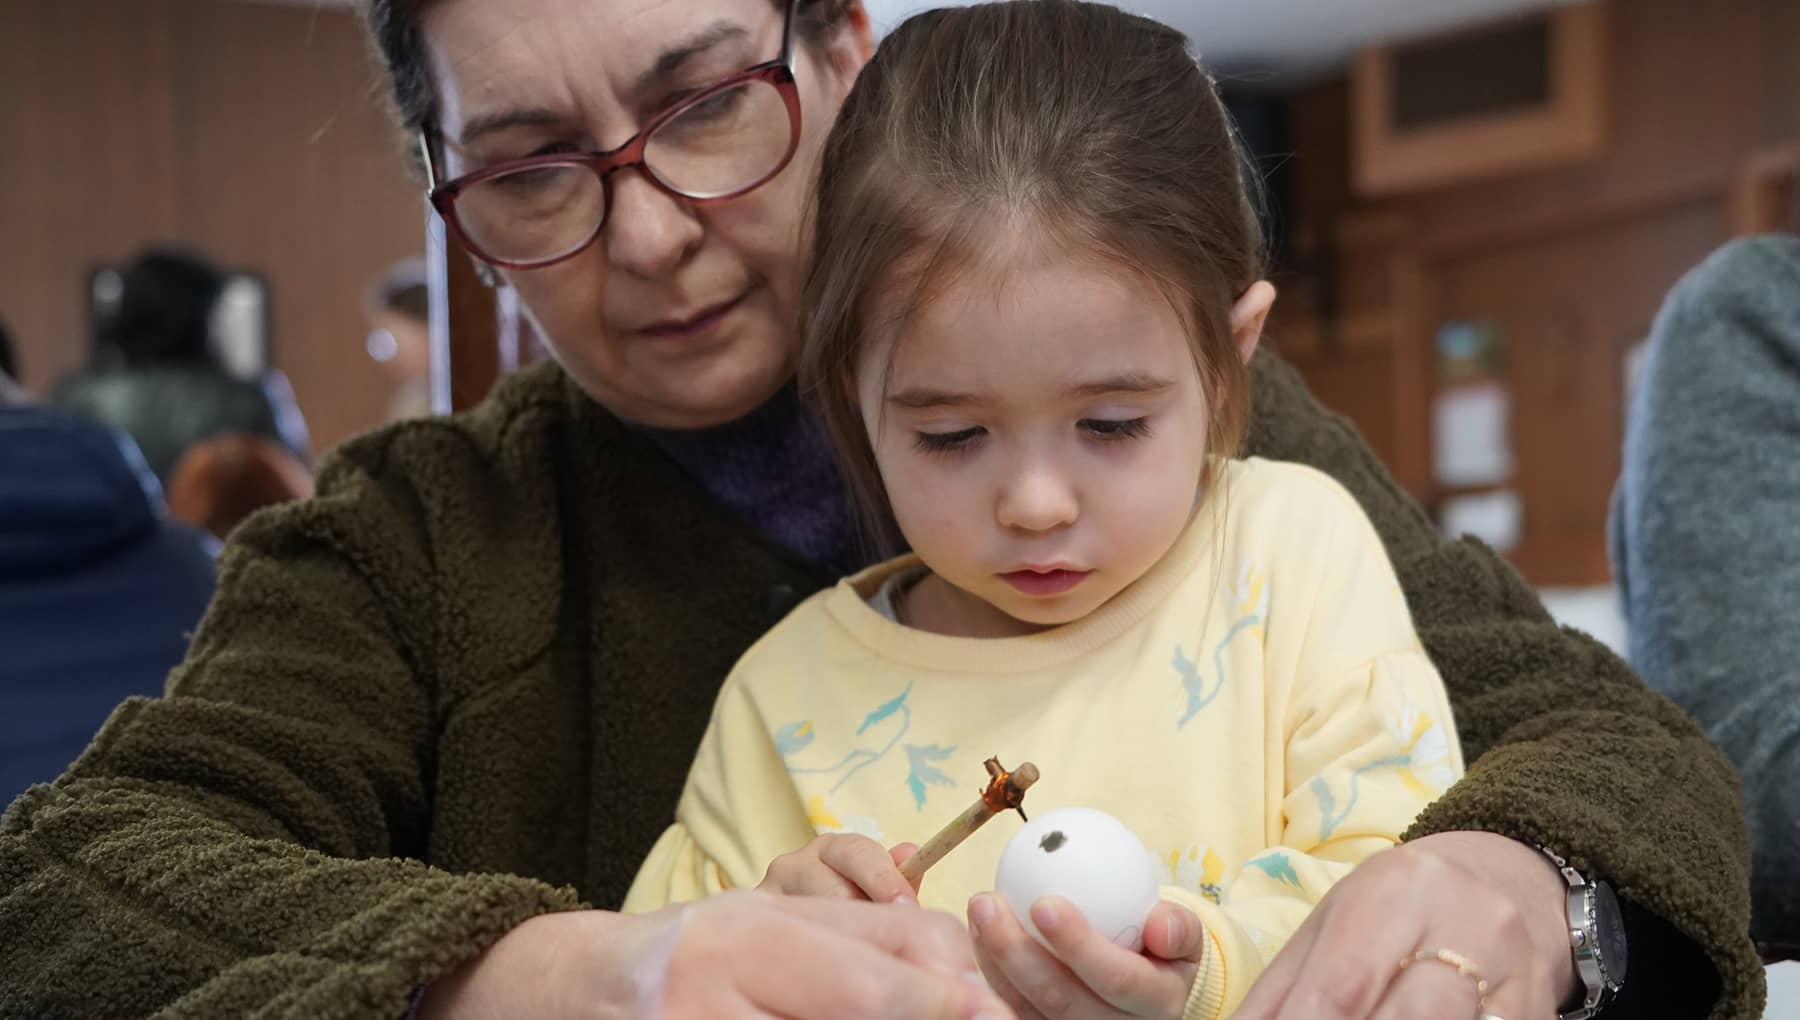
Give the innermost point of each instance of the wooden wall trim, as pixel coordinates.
(1765, 195)
(1389, 160)
(1453, 237)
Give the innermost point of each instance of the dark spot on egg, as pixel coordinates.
(1052, 841)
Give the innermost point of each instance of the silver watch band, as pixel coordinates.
(1584, 941)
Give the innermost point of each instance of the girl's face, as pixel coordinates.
(1041, 437)
(678, 316)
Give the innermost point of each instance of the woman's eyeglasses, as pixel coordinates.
(723, 141)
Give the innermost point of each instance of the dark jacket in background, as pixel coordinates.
(97, 592)
(168, 408)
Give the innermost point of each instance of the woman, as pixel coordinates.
(491, 643)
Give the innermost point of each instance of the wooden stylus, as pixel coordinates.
(1005, 792)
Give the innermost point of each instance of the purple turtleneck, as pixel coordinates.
(775, 469)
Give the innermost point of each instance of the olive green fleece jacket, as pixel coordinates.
(462, 685)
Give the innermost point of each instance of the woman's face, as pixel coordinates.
(678, 315)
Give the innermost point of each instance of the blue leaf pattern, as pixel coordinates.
(1327, 804)
(793, 737)
(1276, 866)
(884, 711)
(1193, 682)
(922, 773)
(1328, 821)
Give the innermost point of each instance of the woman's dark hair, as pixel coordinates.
(394, 28)
(1091, 130)
(164, 309)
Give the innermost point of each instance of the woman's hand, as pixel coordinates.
(842, 866)
(1494, 901)
(1087, 976)
(736, 955)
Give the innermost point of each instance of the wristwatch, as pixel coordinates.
(1597, 937)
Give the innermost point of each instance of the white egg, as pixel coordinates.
(1089, 858)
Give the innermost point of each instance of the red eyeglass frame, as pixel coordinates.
(778, 73)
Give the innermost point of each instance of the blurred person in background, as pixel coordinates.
(399, 311)
(158, 377)
(98, 592)
(1706, 539)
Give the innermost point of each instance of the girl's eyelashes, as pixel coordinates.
(948, 442)
(1106, 430)
(1116, 429)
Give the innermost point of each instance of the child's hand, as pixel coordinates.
(1087, 976)
(842, 866)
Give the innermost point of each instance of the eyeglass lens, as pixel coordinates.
(720, 144)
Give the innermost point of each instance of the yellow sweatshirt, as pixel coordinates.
(1257, 708)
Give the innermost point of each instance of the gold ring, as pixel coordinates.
(1460, 963)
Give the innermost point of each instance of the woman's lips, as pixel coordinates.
(1045, 583)
(694, 325)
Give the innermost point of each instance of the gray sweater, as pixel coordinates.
(1706, 536)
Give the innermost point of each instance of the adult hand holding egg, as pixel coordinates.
(1078, 970)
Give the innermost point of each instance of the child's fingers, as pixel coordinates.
(900, 853)
(802, 874)
(1172, 932)
(1127, 981)
(866, 865)
(830, 867)
(1021, 971)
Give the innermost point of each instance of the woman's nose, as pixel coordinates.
(1037, 498)
(649, 233)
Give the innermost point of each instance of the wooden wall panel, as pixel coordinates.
(1572, 262)
(1357, 387)
(1688, 95)
(317, 197)
(1779, 30)
(87, 167)
(1570, 308)
(256, 134)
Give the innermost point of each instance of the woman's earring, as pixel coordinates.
(485, 273)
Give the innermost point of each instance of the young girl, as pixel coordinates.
(1036, 285)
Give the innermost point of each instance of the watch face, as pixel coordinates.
(1609, 922)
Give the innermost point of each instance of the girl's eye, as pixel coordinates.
(949, 442)
(1113, 430)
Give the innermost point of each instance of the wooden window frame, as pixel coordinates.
(1573, 126)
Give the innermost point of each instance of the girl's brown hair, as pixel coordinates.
(1093, 129)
